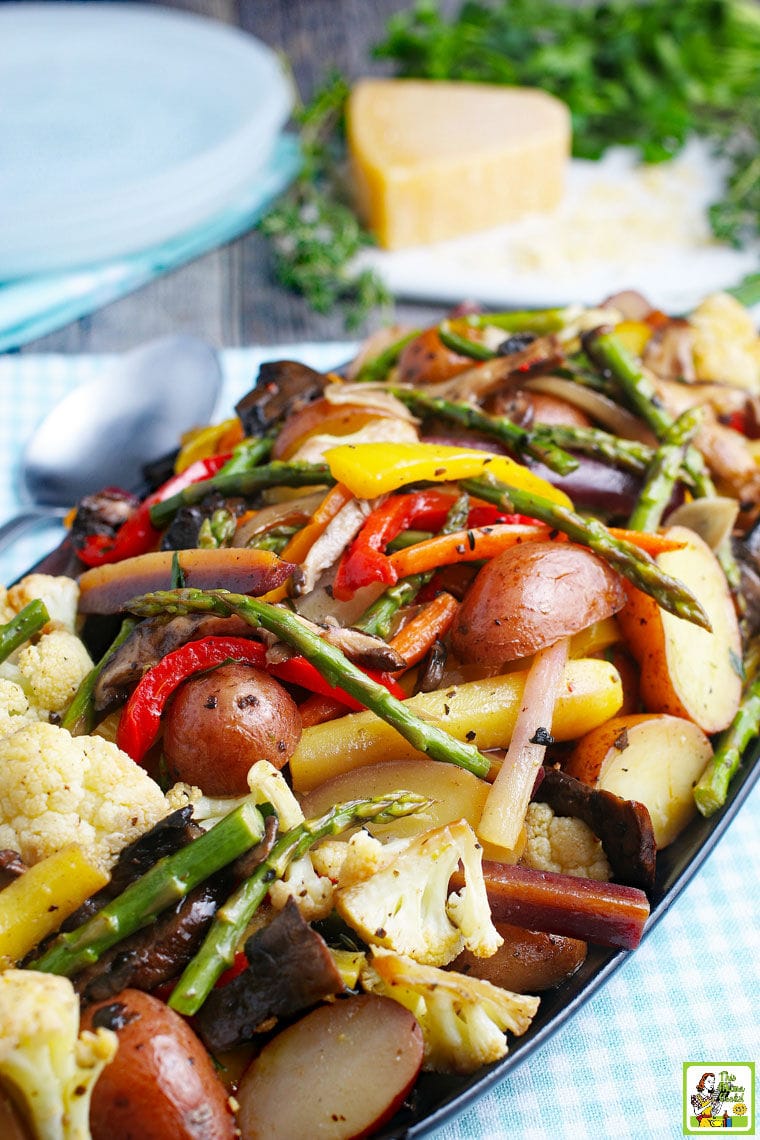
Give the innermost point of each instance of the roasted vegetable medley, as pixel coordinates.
(337, 749)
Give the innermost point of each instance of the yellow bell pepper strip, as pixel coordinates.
(372, 469)
(141, 718)
(215, 439)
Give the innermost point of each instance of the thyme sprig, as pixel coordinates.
(315, 233)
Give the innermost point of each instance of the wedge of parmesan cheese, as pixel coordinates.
(433, 160)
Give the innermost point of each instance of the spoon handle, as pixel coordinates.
(25, 520)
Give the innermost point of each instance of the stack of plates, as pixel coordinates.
(124, 126)
(132, 139)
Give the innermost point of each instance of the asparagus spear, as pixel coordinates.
(539, 445)
(606, 350)
(610, 353)
(464, 345)
(80, 715)
(378, 617)
(247, 455)
(24, 625)
(663, 471)
(711, 788)
(168, 880)
(275, 474)
(231, 920)
(379, 366)
(628, 454)
(330, 661)
(539, 321)
(626, 558)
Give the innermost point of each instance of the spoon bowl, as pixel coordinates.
(104, 432)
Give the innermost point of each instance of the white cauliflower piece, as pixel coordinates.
(311, 892)
(726, 346)
(407, 907)
(44, 1058)
(53, 668)
(464, 1020)
(15, 710)
(60, 595)
(57, 789)
(6, 609)
(349, 861)
(563, 844)
(269, 785)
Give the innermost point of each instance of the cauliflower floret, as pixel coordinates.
(15, 710)
(349, 861)
(53, 668)
(312, 893)
(44, 1058)
(464, 1020)
(563, 844)
(726, 346)
(60, 595)
(406, 906)
(6, 609)
(57, 789)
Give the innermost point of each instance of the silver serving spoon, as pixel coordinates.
(103, 433)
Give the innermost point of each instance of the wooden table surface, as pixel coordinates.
(229, 296)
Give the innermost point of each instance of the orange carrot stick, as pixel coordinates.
(462, 546)
(420, 633)
(301, 543)
(650, 543)
(316, 709)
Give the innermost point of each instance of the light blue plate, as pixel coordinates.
(123, 127)
(33, 306)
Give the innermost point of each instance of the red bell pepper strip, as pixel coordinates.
(137, 535)
(298, 671)
(365, 560)
(141, 716)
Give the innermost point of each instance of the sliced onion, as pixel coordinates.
(373, 396)
(332, 542)
(295, 511)
(712, 519)
(600, 407)
(509, 796)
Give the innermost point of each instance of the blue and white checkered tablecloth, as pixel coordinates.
(691, 992)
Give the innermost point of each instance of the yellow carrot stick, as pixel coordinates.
(35, 904)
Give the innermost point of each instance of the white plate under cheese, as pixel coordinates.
(619, 225)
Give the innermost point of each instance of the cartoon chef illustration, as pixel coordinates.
(706, 1102)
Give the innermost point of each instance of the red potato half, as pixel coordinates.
(529, 597)
(427, 360)
(106, 589)
(687, 671)
(655, 760)
(322, 418)
(339, 1073)
(161, 1083)
(222, 722)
